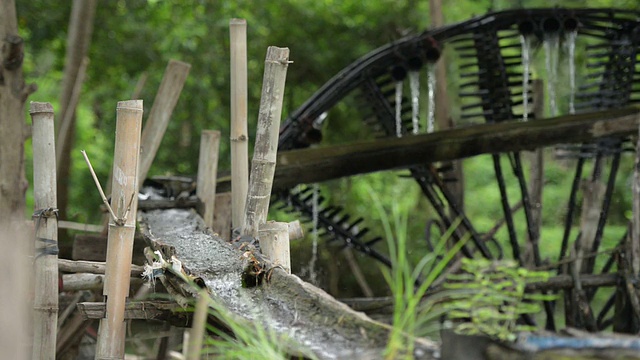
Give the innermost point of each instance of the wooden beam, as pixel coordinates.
(159, 310)
(319, 164)
(93, 267)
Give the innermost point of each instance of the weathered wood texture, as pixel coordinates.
(265, 151)
(92, 267)
(207, 173)
(282, 303)
(239, 135)
(121, 231)
(222, 216)
(274, 243)
(166, 99)
(148, 310)
(88, 281)
(45, 304)
(313, 165)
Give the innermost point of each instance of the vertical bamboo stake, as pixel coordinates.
(263, 164)
(207, 173)
(239, 136)
(46, 226)
(197, 329)
(121, 231)
(166, 99)
(274, 243)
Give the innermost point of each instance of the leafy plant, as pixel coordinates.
(411, 315)
(494, 298)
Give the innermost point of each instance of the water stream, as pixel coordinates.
(551, 52)
(431, 81)
(399, 85)
(526, 65)
(571, 46)
(414, 83)
(314, 235)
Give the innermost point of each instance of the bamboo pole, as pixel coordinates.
(197, 329)
(263, 164)
(166, 99)
(635, 219)
(239, 135)
(93, 267)
(121, 230)
(207, 174)
(274, 243)
(45, 304)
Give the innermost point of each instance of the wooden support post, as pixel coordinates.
(274, 243)
(197, 329)
(295, 230)
(121, 230)
(45, 303)
(166, 99)
(207, 173)
(263, 165)
(239, 135)
(222, 216)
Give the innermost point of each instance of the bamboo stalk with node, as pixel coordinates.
(45, 217)
(111, 334)
(265, 151)
(239, 135)
(196, 335)
(207, 174)
(274, 243)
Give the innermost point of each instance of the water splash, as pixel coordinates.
(571, 46)
(431, 81)
(314, 234)
(399, 108)
(526, 64)
(551, 50)
(414, 83)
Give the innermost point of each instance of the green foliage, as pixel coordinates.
(493, 298)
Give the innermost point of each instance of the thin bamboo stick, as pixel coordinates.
(263, 164)
(121, 231)
(46, 226)
(536, 158)
(239, 135)
(274, 243)
(197, 329)
(207, 173)
(635, 219)
(166, 99)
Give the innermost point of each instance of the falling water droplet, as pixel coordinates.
(552, 48)
(414, 82)
(431, 82)
(399, 108)
(314, 234)
(526, 64)
(571, 44)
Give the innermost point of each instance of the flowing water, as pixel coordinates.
(431, 81)
(399, 85)
(526, 65)
(551, 52)
(571, 46)
(414, 83)
(314, 235)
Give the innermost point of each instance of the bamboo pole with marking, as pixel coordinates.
(239, 135)
(207, 174)
(111, 334)
(45, 305)
(263, 165)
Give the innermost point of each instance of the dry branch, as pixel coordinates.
(265, 151)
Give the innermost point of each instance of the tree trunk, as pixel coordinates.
(79, 36)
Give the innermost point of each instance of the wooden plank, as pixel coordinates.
(222, 216)
(320, 164)
(158, 310)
